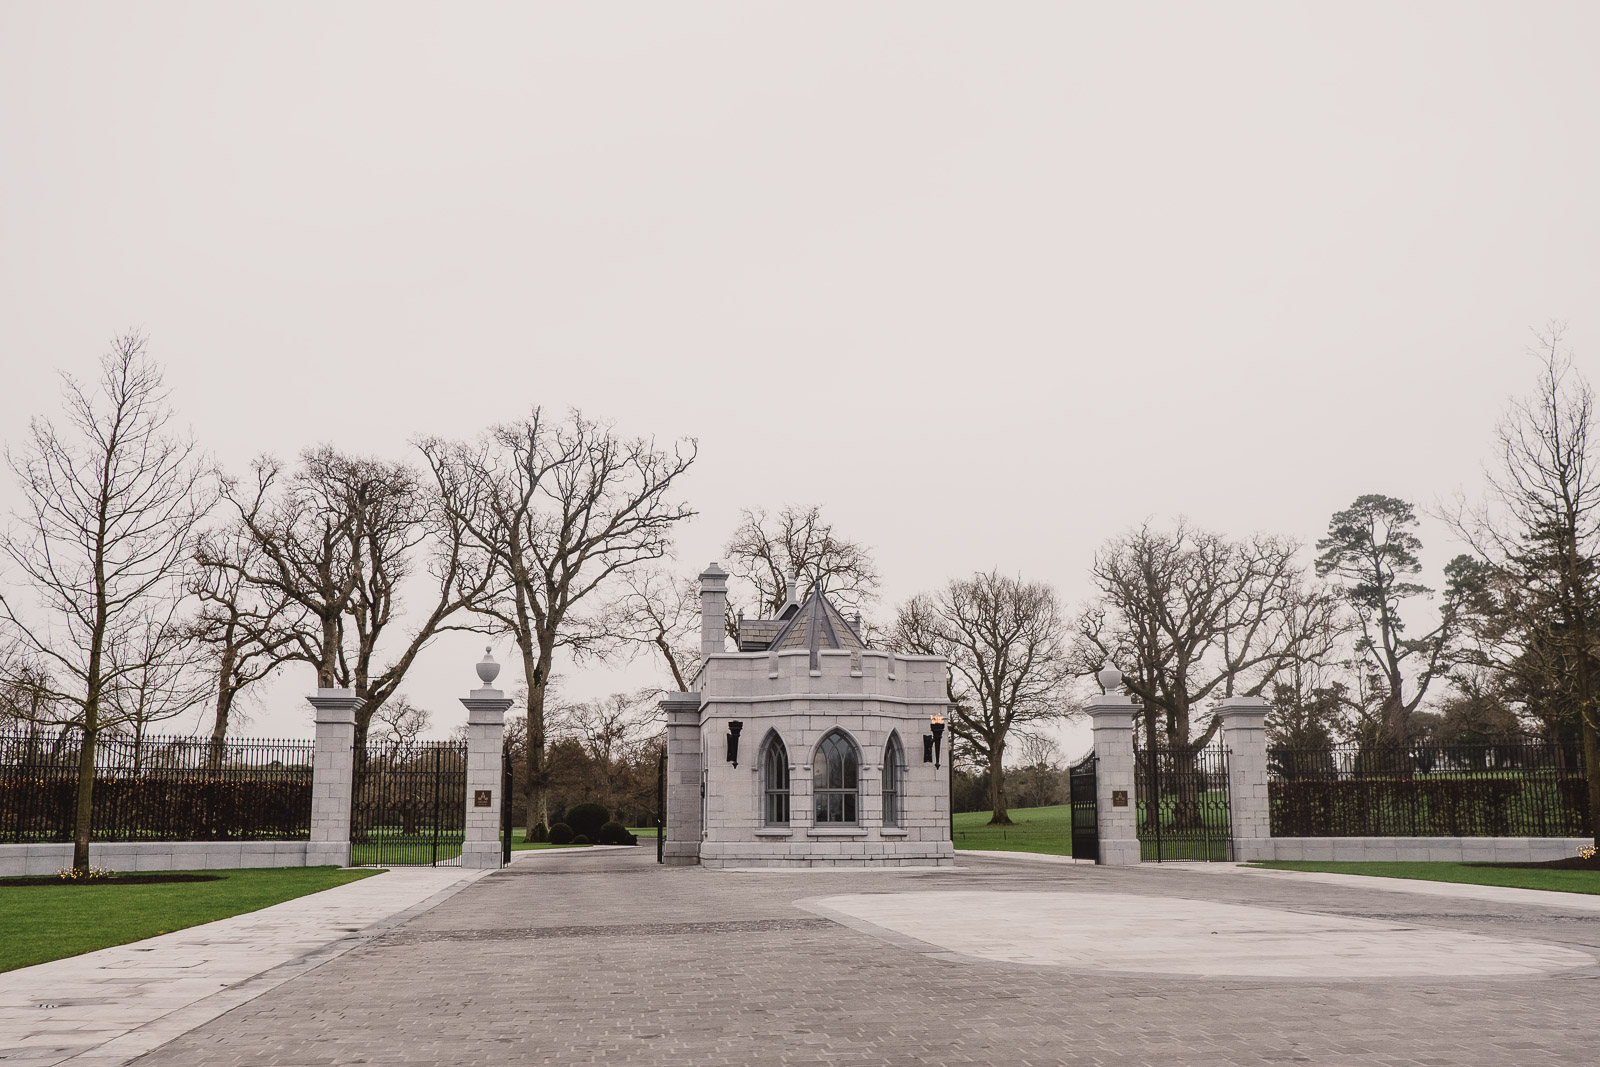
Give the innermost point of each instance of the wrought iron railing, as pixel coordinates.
(156, 788)
(1490, 790)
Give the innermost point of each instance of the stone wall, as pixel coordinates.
(1425, 849)
(37, 859)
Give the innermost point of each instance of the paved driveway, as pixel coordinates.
(607, 958)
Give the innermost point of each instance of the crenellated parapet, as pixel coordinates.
(869, 673)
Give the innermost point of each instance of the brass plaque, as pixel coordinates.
(1119, 798)
(481, 798)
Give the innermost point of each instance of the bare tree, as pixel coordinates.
(612, 727)
(402, 722)
(1310, 706)
(1539, 531)
(1004, 640)
(1035, 748)
(335, 543)
(1035, 778)
(659, 612)
(558, 509)
(26, 689)
(111, 502)
(249, 630)
(160, 676)
(1188, 615)
(766, 549)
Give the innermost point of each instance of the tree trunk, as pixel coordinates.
(536, 672)
(330, 653)
(997, 784)
(219, 726)
(1591, 768)
(84, 816)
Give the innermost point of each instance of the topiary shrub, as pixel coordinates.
(587, 818)
(540, 834)
(581, 839)
(560, 834)
(614, 833)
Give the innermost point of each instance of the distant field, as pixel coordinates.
(1047, 830)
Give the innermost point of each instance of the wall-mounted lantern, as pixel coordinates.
(734, 726)
(937, 722)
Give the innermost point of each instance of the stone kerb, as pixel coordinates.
(1112, 715)
(332, 777)
(1244, 735)
(486, 735)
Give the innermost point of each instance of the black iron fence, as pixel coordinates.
(156, 788)
(1499, 790)
(1183, 804)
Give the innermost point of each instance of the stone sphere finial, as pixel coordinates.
(1110, 678)
(488, 669)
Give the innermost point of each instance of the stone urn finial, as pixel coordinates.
(488, 669)
(1110, 678)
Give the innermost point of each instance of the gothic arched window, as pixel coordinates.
(774, 782)
(836, 780)
(894, 766)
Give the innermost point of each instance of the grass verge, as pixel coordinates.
(1556, 880)
(1047, 830)
(42, 923)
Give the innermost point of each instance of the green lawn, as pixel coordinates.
(1515, 877)
(1047, 830)
(518, 844)
(40, 923)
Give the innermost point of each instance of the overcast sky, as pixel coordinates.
(989, 282)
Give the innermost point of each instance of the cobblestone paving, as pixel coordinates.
(608, 958)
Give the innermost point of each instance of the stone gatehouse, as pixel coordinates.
(805, 747)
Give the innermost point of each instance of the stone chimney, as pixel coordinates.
(713, 610)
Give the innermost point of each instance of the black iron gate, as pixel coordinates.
(661, 807)
(508, 782)
(1183, 804)
(409, 804)
(1081, 785)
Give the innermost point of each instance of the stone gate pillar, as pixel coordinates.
(685, 761)
(1115, 799)
(332, 777)
(486, 736)
(1244, 735)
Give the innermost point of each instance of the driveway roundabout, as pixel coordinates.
(1113, 932)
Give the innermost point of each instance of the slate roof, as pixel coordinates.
(755, 635)
(818, 624)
